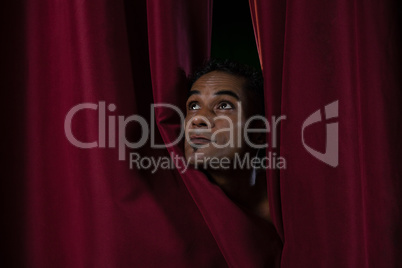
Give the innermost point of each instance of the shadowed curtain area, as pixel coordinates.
(66, 206)
(317, 56)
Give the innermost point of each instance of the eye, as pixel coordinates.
(193, 106)
(225, 106)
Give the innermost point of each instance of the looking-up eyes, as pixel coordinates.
(224, 105)
(193, 106)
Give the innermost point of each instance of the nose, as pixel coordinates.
(202, 120)
(199, 121)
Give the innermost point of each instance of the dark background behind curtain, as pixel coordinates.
(12, 79)
(232, 33)
(66, 207)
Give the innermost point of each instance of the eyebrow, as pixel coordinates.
(218, 93)
(193, 92)
(227, 92)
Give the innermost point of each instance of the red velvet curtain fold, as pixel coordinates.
(85, 208)
(346, 53)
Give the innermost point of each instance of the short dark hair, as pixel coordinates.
(254, 81)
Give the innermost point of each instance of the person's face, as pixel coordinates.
(215, 117)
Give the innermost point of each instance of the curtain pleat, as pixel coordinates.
(342, 59)
(85, 207)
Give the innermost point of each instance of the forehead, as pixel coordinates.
(218, 80)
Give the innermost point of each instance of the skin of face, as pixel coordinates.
(215, 99)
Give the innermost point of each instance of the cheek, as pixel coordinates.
(186, 128)
(232, 131)
(186, 119)
(187, 145)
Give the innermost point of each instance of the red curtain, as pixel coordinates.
(72, 207)
(348, 54)
(85, 208)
